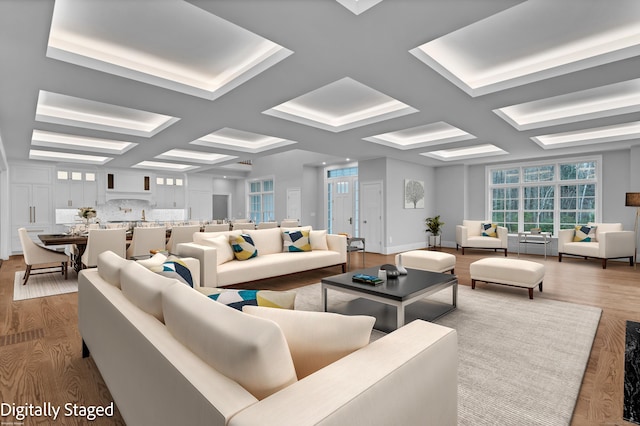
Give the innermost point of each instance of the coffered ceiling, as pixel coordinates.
(199, 85)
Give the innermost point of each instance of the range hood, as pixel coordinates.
(128, 195)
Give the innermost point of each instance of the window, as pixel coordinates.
(261, 201)
(549, 196)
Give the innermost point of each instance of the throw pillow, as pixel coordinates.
(239, 298)
(224, 252)
(174, 268)
(490, 230)
(296, 241)
(584, 234)
(318, 240)
(248, 350)
(317, 339)
(155, 260)
(243, 247)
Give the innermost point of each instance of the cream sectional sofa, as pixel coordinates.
(169, 355)
(219, 269)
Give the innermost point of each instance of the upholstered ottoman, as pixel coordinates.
(513, 272)
(433, 261)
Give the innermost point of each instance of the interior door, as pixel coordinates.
(221, 206)
(342, 200)
(371, 213)
(294, 203)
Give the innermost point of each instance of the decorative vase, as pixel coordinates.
(401, 269)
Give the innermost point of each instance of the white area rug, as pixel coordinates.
(521, 361)
(43, 285)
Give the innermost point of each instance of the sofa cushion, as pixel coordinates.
(267, 241)
(224, 252)
(474, 227)
(490, 230)
(605, 227)
(144, 288)
(239, 298)
(584, 234)
(249, 350)
(318, 240)
(109, 266)
(243, 246)
(296, 241)
(317, 339)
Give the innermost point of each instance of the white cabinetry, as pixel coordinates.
(170, 192)
(75, 189)
(200, 205)
(31, 202)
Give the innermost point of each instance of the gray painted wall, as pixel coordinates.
(450, 190)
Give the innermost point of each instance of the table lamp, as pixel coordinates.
(632, 199)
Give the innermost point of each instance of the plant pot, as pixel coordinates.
(434, 240)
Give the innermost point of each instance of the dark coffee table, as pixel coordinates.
(406, 293)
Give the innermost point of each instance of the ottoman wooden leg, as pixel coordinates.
(540, 286)
(530, 293)
(473, 284)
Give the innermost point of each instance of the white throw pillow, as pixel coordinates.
(318, 240)
(249, 350)
(109, 266)
(267, 241)
(224, 252)
(317, 339)
(155, 260)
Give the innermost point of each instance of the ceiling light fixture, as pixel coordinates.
(195, 156)
(239, 140)
(164, 166)
(421, 136)
(81, 143)
(35, 154)
(614, 133)
(464, 153)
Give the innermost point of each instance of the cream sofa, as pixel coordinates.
(167, 357)
(469, 235)
(611, 242)
(219, 269)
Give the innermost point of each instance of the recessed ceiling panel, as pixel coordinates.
(342, 105)
(239, 140)
(603, 101)
(358, 6)
(158, 165)
(615, 133)
(194, 156)
(528, 43)
(78, 112)
(67, 157)
(476, 151)
(177, 46)
(79, 143)
(421, 136)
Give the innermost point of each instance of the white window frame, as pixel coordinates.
(489, 186)
(262, 192)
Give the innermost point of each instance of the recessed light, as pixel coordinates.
(467, 152)
(239, 140)
(82, 143)
(78, 112)
(614, 133)
(164, 166)
(194, 156)
(35, 154)
(421, 136)
(599, 102)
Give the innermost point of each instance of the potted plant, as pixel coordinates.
(434, 226)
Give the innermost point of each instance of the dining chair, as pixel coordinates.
(241, 220)
(267, 225)
(145, 239)
(216, 227)
(243, 226)
(101, 240)
(35, 254)
(181, 234)
(289, 223)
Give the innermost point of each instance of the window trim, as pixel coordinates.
(248, 183)
(556, 182)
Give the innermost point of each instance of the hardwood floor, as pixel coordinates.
(40, 346)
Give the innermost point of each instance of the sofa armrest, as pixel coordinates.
(409, 376)
(338, 243)
(207, 256)
(564, 236)
(617, 244)
(461, 235)
(503, 235)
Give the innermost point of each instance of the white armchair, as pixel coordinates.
(611, 242)
(469, 235)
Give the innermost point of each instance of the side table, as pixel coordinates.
(529, 238)
(351, 248)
